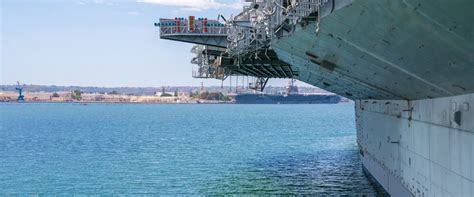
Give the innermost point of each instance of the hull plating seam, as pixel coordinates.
(419, 148)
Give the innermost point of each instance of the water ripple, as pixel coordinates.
(179, 149)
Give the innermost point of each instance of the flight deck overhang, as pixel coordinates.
(387, 50)
(201, 31)
(244, 42)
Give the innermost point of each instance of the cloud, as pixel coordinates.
(196, 5)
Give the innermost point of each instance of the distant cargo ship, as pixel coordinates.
(291, 96)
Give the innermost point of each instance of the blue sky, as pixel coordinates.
(99, 42)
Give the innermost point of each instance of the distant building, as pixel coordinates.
(8, 96)
(93, 97)
(62, 97)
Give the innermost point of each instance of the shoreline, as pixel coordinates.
(145, 103)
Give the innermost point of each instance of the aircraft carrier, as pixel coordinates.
(291, 95)
(407, 64)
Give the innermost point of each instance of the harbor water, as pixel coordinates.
(179, 149)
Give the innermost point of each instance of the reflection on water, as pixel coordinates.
(179, 149)
(325, 172)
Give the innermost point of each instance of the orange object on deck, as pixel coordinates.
(191, 23)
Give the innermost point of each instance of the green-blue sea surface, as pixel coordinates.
(179, 149)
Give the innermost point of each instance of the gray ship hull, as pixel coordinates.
(409, 67)
(383, 49)
(289, 99)
(417, 147)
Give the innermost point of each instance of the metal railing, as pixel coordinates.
(265, 18)
(250, 32)
(198, 27)
(208, 66)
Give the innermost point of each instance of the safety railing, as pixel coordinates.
(304, 8)
(194, 27)
(266, 17)
(206, 66)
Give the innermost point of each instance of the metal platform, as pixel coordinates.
(241, 46)
(202, 31)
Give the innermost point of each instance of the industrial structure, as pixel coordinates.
(19, 88)
(407, 64)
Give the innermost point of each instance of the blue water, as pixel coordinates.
(179, 149)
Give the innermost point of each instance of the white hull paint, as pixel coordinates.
(416, 148)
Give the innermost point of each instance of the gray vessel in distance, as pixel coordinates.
(290, 96)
